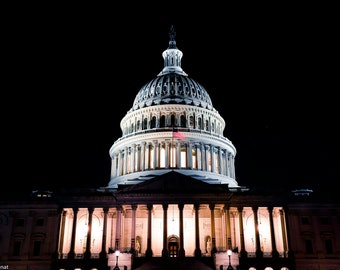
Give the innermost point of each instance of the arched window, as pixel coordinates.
(183, 121)
(153, 122)
(173, 120)
(191, 122)
(199, 122)
(162, 121)
(131, 128)
(145, 123)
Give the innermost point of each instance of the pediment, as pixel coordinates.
(173, 182)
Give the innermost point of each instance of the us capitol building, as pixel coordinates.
(172, 201)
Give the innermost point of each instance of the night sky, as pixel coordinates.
(72, 73)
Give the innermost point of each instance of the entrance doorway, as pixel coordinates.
(173, 245)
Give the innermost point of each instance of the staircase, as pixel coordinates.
(186, 263)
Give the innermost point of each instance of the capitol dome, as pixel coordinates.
(172, 126)
(172, 85)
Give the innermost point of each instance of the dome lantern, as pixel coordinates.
(172, 57)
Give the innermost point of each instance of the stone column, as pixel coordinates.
(114, 162)
(143, 156)
(189, 155)
(259, 253)
(275, 253)
(126, 153)
(243, 252)
(198, 157)
(103, 252)
(228, 226)
(285, 236)
(133, 228)
(212, 155)
(120, 157)
(220, 161)
(227, 168)
(132, 158)
(178, 154)
(138, 159)
(206, 165)
(213, 234)
(165, 251)
(181, 231)
(167, 154)
(71, 254)
(148, 252)
(232, 166)
(154, 155)
(87, 254)
(118, 226)
(60, 233)
(198, 252)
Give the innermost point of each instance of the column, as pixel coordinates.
(189, 155)
(178, 152)
(114, 165)
(154, 154)
(228, 226)
(118, 225)
(87, 254)
(119, 172)
(227, 156)
(143, 156)
(275, 253)
(232, 165)
(206, 163)
(165, 251)
(203, 167)
(138, 159)
(198, 252)
(147, 156)
(60, 230)
(285, 236)
(148, 252)
(212, 155)
(213, 234)
(243, 252)
(71, 254)
(181, 231)
(133, 228)
(103, 252)
(220, 161)
(126, 153)
(198, 157)
(259, 253)
(166, 154)
(132, 158)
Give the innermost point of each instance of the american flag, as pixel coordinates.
(177, 134)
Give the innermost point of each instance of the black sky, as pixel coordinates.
(72, 73)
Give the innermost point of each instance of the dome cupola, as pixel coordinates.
(172, 85)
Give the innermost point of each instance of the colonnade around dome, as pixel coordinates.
(172, 153)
